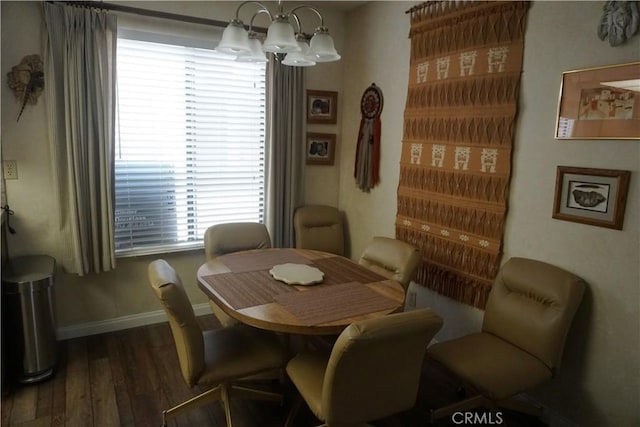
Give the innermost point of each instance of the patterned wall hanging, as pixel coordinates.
(459, 126)
(366, 170)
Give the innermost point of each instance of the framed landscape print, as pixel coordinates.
(321, 148)
(600, 103)
(322, 106)
(591, 196)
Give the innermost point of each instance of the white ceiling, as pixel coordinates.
(343, 6)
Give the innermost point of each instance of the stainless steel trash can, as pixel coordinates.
(29, 317)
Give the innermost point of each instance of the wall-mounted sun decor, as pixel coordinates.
(27, 81)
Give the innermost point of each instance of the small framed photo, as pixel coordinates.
(600, 103)
(321, 148)
(591, 196)
(322, 106)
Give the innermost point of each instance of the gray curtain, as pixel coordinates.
(285, 150)
(79, 61)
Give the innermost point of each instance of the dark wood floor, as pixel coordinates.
(127, 378)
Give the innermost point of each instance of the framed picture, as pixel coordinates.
(600, 103)
(322, 106)
(591, 196)
(321, 148)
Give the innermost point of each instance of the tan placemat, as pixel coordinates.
(248, 289)
(329, 303)
(341, 270)
(261, 260)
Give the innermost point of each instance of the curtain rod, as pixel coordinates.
(151, 13)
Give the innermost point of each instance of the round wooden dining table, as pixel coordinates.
(241, 284)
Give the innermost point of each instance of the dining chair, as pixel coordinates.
(391, 258)
(320, 228)
(221, 239)
(373, 370)
(213, 358)
(527, 317)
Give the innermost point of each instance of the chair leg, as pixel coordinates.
(295, 408)
(199, 400)
(226, 403)
(463, 405)
(222, 392)
(521, 406)
(250, 393)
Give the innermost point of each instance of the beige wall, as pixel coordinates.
(599, 382)
(321, 181)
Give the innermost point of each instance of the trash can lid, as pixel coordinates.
(30, 268)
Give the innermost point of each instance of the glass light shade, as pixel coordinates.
(280, 36)
(256, 54)
(321, 47)
(299, 59)
(235, 39)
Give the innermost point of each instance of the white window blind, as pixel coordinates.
(190, 144)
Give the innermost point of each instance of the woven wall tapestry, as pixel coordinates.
(459, 126)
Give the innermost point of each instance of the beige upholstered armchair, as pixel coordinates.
(372, 372)
(528, 314)
(213, 358)
(391, 258)
(222, 239)
(320, 228)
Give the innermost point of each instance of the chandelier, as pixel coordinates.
(289, 46)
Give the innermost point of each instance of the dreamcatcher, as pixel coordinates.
(367, 166)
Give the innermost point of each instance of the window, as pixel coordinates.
(190, 144)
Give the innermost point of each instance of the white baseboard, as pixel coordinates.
(119, 323)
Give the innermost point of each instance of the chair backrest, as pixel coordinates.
(375, 366)
(223, 239)
(320, 228)
(391, 258)
(186, 331)
(531, 305)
